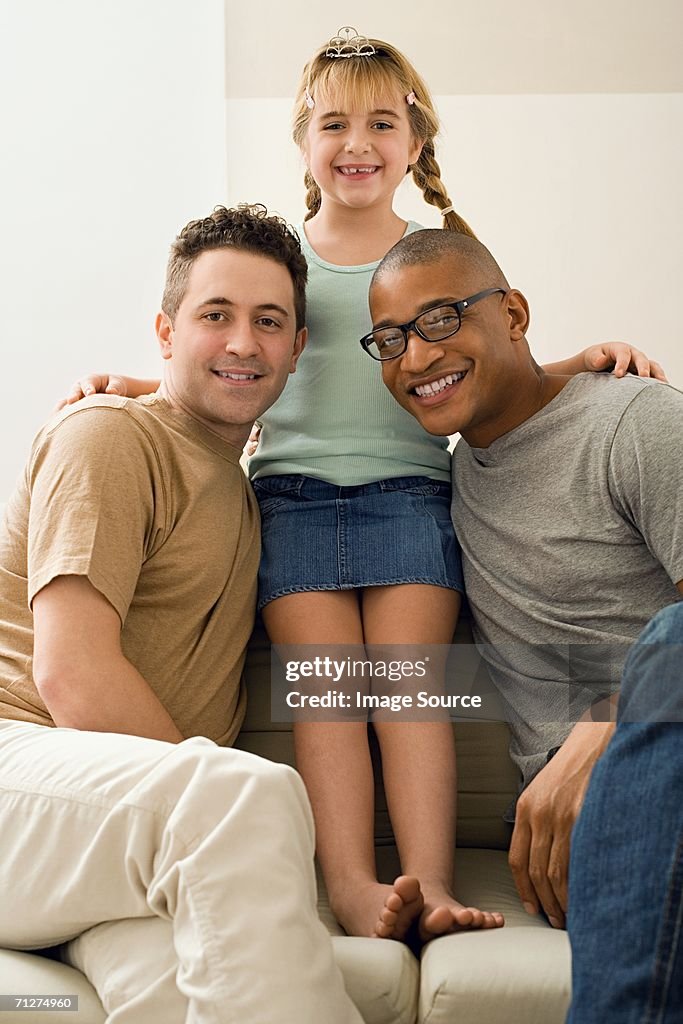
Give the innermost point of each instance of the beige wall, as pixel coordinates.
(494, 46)
(561, 144)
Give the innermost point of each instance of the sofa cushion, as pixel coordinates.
(382, 977)
(519, 974)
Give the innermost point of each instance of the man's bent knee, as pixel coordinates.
(212, 782)
(651, 689)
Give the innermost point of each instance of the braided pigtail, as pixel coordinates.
(313, 198)
(427, 177)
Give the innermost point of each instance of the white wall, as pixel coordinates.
(112, 137)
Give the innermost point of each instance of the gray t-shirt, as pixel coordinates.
(571, 528)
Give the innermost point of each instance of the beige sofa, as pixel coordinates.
(516, 975)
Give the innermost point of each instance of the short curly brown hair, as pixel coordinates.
(246, 228)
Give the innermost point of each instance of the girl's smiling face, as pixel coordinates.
(358, 158)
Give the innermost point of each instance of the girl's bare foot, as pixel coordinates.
(379, 911)
(442, 914)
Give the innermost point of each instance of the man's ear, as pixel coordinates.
(518, 314)
(164, 329)
(299, 344)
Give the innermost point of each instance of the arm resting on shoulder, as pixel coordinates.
(80, 670)
(615, 356)
(108, 384)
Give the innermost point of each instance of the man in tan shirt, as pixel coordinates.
(128, 563)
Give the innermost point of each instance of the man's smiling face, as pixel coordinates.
(233, 341)
(462, 384)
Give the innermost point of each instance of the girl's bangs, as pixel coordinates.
(356, 84)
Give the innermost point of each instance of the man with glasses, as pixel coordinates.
(568, 504)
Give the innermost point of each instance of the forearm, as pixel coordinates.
(569, 367)
(613, 356)
(587, 741)
(108, 696)
(135, 387)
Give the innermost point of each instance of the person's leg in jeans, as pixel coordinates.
(215, 843)
(625, 918)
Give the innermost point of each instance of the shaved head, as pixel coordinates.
(432, 245)
(485, 377)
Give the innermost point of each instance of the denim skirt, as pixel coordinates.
(317, 536)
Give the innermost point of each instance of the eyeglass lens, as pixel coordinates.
(433, 325)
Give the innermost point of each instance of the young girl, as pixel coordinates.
(358, 546)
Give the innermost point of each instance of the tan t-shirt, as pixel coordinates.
(155, 510)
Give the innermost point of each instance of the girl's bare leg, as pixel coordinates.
(334, 761)
(418, 758)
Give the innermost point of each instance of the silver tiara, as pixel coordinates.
(347, 43)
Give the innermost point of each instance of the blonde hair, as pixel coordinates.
(357, 82)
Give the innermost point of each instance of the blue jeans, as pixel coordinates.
(625, 918)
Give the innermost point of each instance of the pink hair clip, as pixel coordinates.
(310, 102)
(410, 98)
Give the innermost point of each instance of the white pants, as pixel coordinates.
(184, 873)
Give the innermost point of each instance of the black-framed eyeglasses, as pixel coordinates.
(434, 324)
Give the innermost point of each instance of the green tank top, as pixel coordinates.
(335, 420)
